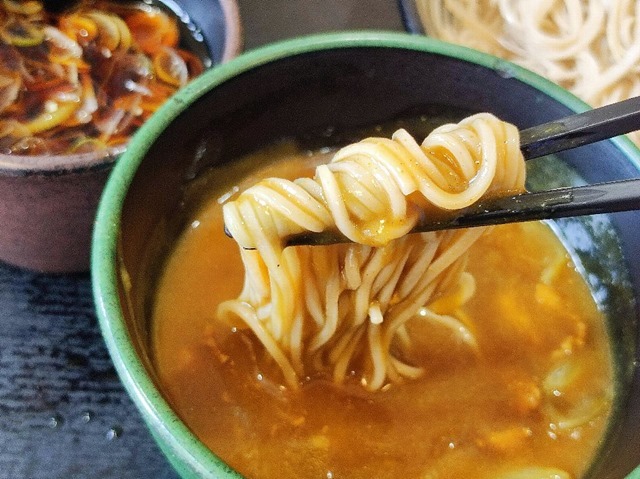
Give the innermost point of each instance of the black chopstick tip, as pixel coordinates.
(229, 235)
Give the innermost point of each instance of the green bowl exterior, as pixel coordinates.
(187, 453)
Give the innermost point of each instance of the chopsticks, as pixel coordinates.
(607, 197)
(558, 135)
(581, 129)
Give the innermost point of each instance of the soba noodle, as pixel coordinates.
(343, 310)
(591, 47)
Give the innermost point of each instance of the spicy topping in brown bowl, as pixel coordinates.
(85, 80)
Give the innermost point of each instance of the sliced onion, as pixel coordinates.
(125, 34)
(78, 27)
(87, 145)
(152, 29)
(14, 129)
(50, 118)
(30, 145)
(89, 104)
(39, 75)
(108, 31)
(587, 409)
(10, 83)
(56, 78)
(107, 123)
(62, 47)
(565, 413)
(21, 33)
(561, 377)
(131, 73)
(65, 94)
(30, 7)
(171, 67)
(194, 64)
(116, 121)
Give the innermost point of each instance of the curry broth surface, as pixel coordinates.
(478, 415)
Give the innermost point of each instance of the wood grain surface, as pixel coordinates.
(63, 411)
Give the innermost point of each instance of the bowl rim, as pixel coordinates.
(104, 264)
(54, 165)
(233, 30)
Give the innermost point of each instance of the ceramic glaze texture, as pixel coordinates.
(47, 220)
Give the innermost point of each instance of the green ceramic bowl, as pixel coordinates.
(345, 81)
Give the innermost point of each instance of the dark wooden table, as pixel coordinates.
(63, 411)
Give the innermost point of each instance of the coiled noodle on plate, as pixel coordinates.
(590, 47)
(343, 310)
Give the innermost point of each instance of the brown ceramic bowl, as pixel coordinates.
(47, 203)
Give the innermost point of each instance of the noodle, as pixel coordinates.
(341, 310)
(590, 47)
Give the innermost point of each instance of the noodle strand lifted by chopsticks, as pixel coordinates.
(341, 310)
